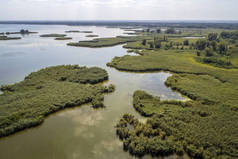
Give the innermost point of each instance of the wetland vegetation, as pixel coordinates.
(54, 35)
(9, 38)
(27, 103)
(105, 42)
(205, 70)
(91, 36)
(22, 32)
(64, 38)
(204, 67)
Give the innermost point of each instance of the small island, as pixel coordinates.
(72, 31)
(91, 36)
(53, 35)
(86, 32)
(9, 38)
(22, 31)
(64, 38)
(77, 31)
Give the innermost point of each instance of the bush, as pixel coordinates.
(186, 42)
(144, 42)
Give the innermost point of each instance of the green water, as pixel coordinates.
(81, 132)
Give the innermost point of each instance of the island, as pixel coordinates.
(105, 42)
(53, 35)
(47, 91)
(64, 38)
(77, 31)
(9, 38)
(22, 31)
(72, 31)
(91, 35)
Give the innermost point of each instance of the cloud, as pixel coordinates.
(118, 9)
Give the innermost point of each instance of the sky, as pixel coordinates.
(118, 10)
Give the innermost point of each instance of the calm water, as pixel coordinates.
(82, 132)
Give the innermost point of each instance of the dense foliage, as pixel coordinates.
(203, 127)
(27, 103)
(178, 127)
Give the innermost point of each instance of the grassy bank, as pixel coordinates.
(27, 103)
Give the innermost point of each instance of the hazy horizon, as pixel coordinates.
(80, 10)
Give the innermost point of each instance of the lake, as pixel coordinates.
(81, 132)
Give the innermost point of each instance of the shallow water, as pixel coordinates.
(80, 132)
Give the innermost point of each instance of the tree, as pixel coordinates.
(157, 43)
(158, 30)
(208, 52)
(171, 44)
(225, 35)
(186, 42)
(222, 48)
(212, 36)
(214, 45)
(201, 44)
(151, 44)
(198, 53)
(144, 42)
(171, 31)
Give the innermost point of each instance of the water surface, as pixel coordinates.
(81, 132)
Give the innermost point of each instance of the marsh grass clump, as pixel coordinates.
(54, 35)
(64, 38)
(110, 88)
(91, 36)
(9, 38)
(27, 103)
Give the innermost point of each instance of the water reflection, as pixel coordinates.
(81, 132)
